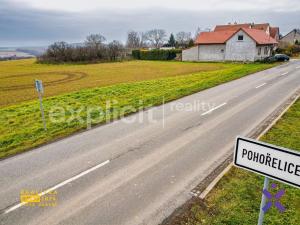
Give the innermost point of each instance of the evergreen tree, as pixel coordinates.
(171, 41)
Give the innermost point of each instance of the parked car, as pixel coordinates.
(281, 57)
(277, 58)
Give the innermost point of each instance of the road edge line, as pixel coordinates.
(212, 184)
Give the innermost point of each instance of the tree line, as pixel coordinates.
(95, 48)
(157, 38)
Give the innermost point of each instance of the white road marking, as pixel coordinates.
(261, 85)
(284, 74)
(59, 185)
(209, 111)
(298, 67)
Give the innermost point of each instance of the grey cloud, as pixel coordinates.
(21, 26)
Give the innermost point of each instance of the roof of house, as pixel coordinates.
(260, 36)
(258, 26)
(261, 26)
(274, 31)
(294, 31)
(214, 37)
(231, 27)
(220, 37)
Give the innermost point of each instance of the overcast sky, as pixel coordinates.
(37, 22)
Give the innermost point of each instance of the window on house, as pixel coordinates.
(222, 50)
(259, 51)
(266, 51)
(240, 37)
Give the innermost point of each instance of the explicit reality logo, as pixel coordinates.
(274, 198)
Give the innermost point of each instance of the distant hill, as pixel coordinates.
(36, 51)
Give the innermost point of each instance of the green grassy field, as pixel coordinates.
(236, 198)
(21, 126)
(17, 77)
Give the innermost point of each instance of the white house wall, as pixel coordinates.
(190, 54)
(212, 52)
(262, 54)
(244, 50)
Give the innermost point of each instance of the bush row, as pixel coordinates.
(155, 54)
(290, 50)
(61, 52)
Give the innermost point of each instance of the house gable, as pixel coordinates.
(240, 50)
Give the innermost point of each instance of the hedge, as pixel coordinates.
(155, 54)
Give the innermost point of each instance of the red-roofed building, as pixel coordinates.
(237, 42)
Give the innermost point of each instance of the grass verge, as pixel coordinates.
(236, 198)
(21, 126)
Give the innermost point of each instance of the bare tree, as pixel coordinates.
(183, 38)
(59, 51)
(115, 50)
(197, 32)
(156, 37)
(95, 40)
(143, 41)
(133, 39)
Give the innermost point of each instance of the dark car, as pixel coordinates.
(277, 58)
(281, 57)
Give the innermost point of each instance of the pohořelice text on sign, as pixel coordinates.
(269, 160)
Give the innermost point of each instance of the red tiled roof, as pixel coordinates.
(215, 37)
(220, 37)
(258, 26)
(260, 36)
(231, 27)
(274, 31)
(262, 26)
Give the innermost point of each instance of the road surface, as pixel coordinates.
(139, 170)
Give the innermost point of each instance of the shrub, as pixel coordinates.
(290, 50)
(155, 54)
(136, 54)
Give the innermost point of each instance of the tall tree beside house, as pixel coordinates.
(191, 43)
(172, 41)
(133, 39)
(197, 32)
(183, 38)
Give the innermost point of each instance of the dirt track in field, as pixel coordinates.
(69, 76)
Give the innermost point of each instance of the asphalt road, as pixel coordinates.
(139, 170)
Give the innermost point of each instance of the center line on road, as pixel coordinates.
(261, 85)
(209, 111)
(284, 74)
(59, 185)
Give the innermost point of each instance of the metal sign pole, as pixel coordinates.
(42, 110)
(263, 202)
(40, 90)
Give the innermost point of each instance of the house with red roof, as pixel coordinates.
(236, 42)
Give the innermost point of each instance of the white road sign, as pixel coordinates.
(39, 86)
(272, 161)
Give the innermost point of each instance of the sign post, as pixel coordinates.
(271, 161)
(40, 89)
(263, 202)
